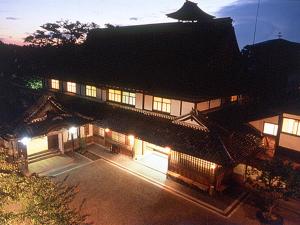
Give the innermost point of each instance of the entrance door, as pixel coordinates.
(37, 145)
(53, 142)
(155, 157)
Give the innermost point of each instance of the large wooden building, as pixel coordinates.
(145, 91)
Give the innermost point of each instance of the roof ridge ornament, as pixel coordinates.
(190, 12)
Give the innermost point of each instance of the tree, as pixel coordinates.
(34, 199)
(61, 32)
(273, 182)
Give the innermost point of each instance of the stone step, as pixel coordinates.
(42, 156)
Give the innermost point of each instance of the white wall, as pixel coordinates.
(175, 107)
(202, 106)
(215, 103)
(259, 124)
(139, 100)
(78, 88)
(186, 107)
(148, 102)
(82, 89)
(289, 141)
(98, 93)
(103, 95)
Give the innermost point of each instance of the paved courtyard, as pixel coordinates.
(114, 196)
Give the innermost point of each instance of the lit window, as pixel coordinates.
(114, 95)
(128, 98)
(90, 91)
(55, 84)
(74, 133)
(233, 98)
(117, 137)
(101, 132)
(270, 128)
(162, 104)
(291, 126)
(71, 87)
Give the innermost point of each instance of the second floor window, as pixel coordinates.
(233, 98)
(291, 126)
(128, 98)
(55, 84)
(114, 95)
(162, 104)
(270, 128)
(90, 91)
(71, 87)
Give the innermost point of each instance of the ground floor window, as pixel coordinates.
(270, 128)
(117, 137)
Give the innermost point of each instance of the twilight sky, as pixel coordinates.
(18, 18)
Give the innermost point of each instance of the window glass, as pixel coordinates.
(90, 91)
(71, 87)
(162, 104)
(270, 128)
(118, 137)
(291, 126)
(55, 84)
(128, 98)
(114, 95)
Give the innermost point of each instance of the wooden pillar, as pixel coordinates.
(61, 143)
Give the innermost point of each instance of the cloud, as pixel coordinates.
(11, 18)
(133, 18)
(274, 16)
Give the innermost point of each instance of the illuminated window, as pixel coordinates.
(117, 137)
(90, 91)
(162, 104)
(270, 128)
(71, 87)
(233, 98)
(291, 126)
(55, 84)
(128, 98)
(101, 132)
(114, 95)
(74, 133)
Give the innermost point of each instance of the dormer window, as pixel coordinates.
(71, 87)
(54, 84)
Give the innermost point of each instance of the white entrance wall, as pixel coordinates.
(36, 145)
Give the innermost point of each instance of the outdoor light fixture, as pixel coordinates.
(72, 130)
(107, 130)
(25, 140)
(131, 139)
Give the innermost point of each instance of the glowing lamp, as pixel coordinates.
(107, 130)
(72, 130)
(25, 140)
(131, 139)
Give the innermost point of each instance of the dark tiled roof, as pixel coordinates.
(176, 59)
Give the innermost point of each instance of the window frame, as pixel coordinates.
(112, 92)
(159, 106)
(274, 129)
(55, 84)
(90, 91)
(297, 133)
(71, 86)
(129, 99)
(121, 138)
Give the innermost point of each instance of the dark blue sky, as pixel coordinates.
(18, 18)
